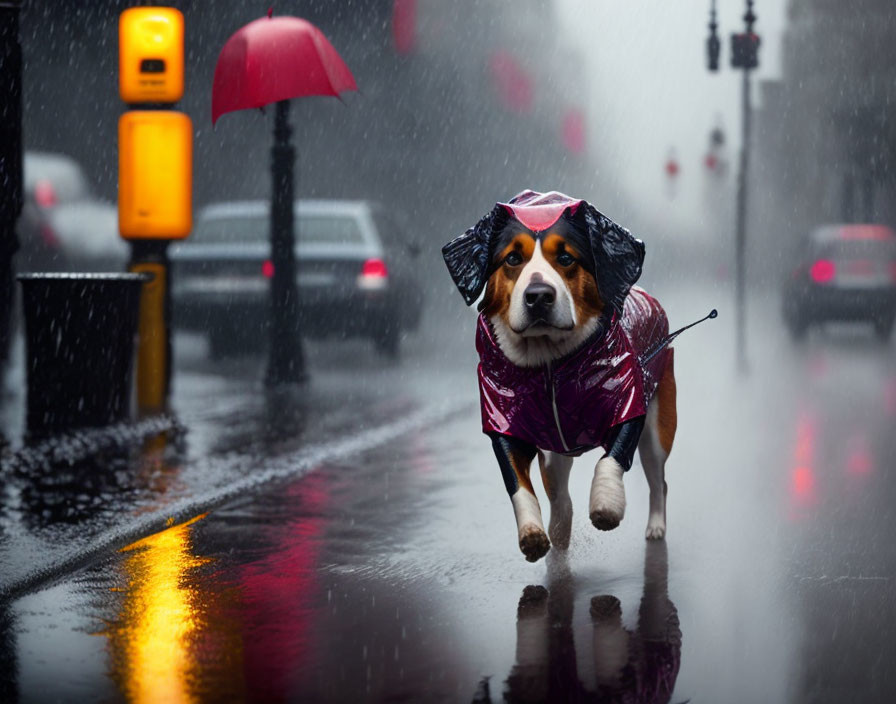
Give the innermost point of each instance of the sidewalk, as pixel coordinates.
(71, 498)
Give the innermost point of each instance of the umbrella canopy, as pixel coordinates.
(273, 59)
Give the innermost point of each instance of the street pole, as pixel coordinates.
(741, 231)
(155, 176)
(154, 349)
(744, 55)
(11, 196)
(286, 363)
(747, 61)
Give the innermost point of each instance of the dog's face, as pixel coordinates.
(551, 266)
(542, 295)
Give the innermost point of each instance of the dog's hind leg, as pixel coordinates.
(555, 475)
(515, 459)
(654, 449)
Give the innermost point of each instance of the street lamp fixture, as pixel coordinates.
(713, 45)
(745, 46)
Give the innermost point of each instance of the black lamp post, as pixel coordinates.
(744, 55)
(286, 362)
(11, 197)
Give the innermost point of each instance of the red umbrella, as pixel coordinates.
(273, 59)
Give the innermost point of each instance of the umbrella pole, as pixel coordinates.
(286, 362)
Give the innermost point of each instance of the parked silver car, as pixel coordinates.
(63, 226)
(355, 273)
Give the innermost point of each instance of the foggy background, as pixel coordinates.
(462, 104)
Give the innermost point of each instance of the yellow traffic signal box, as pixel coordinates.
(155, 173)
(151, 55)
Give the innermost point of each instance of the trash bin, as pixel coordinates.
(79, 342)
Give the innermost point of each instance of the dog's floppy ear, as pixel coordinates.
(618, 257)
(468, 257)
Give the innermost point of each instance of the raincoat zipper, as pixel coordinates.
(554, 406)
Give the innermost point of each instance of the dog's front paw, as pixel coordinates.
(607, 505)
(534, 544)
(656, 528)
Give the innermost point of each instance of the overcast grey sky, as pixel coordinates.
(651, 90)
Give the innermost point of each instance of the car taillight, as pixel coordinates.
(375, 268)
(44, 194)
(374, 275)
(267, 269)
(823, 271)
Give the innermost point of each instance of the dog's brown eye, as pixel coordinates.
(565, 259)
(513, 259)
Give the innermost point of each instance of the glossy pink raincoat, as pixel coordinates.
(571, 405)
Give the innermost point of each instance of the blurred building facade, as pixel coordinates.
(460, 103)
(825, 141)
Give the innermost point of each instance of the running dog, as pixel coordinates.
(572, 356)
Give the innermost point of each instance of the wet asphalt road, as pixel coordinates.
(355, 542)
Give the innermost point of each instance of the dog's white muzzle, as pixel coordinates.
(541, 303)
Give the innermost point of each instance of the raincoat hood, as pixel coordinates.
(613, 251)
(538, 211)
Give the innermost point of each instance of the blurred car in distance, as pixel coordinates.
(63, 226)
(846, 273)
(355, 273)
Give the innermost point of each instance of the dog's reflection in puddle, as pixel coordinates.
(629, 666)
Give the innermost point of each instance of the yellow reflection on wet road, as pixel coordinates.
(152, 642)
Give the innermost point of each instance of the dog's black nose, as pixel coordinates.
(539, 296)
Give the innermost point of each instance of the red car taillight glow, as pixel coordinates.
(44, 194)
(267, 269)
(823, 271)
(374, 275)
(375, 268)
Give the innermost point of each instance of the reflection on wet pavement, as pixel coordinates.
(276, 594)
(153, 640)
(185, 631)
(639, 665)
(840, 503)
